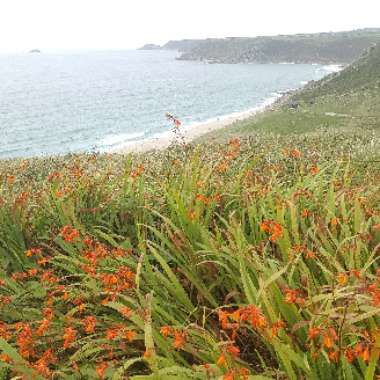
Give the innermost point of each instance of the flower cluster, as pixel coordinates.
(69, 234)
(179, 336)
(272, 228)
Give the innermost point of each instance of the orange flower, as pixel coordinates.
(11, 179)
(244, 373)
(221, 362)
(130, 335)
(306, 213)
(365, 355)
(42, 364)
(314, 332)
(230, 375)
(295, 153)
(358, 349)
(89, 324)
(137, 173)
(293, 296)
(356, 273)
(126, 312)
(179, 339)
(112, 333)
(69, 337)
(33, 251)
(32, 272)
(177, 123)
(4, 331)
(25, 341)
(276, 327)
(236, 315)
(166, 331)
(254, 315)
(350, 355)
(334, 356)
(273, 228)
(192, 215)
(101, 369)
(105, 301)
(45, 324)
(234, 351)
(223, 319)
(310, 254)
(342, 279)
(235, 143)
(330, 337)
(374, 290)
(5, 358)
(314, 170)
(376, 298)
(43, 262)
(202, 198)
(290, 296)
(69, 234)
(327, 341)
(148, 353)
(119, 252)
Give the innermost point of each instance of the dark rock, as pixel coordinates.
(293, 105)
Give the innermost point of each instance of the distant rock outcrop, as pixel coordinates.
(150, 47)
(182, 45)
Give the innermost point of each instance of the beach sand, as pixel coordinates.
(194, 131)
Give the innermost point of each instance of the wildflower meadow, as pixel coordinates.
(253, 259)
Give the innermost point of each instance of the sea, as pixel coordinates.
(102, 101)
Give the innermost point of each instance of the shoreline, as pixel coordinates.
(194, 131)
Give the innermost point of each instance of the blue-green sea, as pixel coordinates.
(54, 103)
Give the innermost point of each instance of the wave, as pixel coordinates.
(116, 142)
(169, 135)
(332, 68)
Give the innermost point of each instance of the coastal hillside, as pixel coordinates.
(323, 48)
(348, 100)
(361, 76)
(252, 257)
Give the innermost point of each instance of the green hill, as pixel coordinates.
(349, 99)
(324, 48)
(360, 76)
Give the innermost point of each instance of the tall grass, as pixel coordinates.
(257, 259)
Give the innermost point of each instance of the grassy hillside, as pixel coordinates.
(256, 258)
(325, 48)
(345, 102)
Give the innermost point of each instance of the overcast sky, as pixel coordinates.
(119, 24)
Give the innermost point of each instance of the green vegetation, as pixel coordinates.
(345, 102)
(256, 258)
(324, 48)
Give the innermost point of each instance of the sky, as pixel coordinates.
(123, 24)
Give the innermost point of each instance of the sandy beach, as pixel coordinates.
(194, 131)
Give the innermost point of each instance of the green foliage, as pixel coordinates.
(174, 240)
(253, 259)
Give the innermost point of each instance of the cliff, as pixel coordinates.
(323, 48)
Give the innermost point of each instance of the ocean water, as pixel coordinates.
(54, 103)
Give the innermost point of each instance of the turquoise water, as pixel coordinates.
(99, 101)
